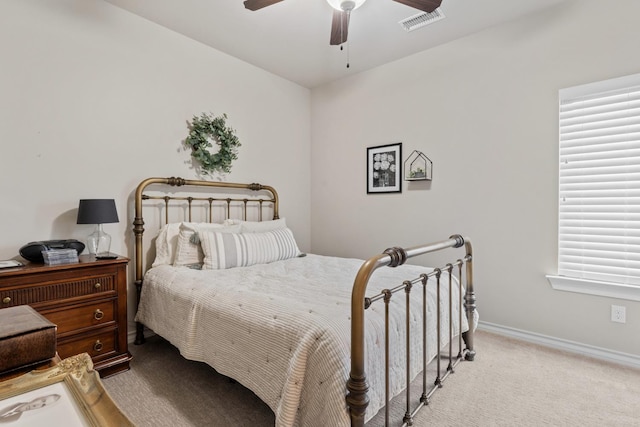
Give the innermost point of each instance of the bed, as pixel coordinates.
(228, 286)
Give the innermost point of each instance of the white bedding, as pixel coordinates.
(283, 329)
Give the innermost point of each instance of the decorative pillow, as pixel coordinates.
(166, 243)
(257, 226)
(225, 250)
(189, 251)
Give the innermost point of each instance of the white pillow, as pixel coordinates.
(166, 243)
(257, 226)
(189, 251)
(226, 250)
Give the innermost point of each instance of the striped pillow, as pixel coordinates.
(188, 251)
(224, 250)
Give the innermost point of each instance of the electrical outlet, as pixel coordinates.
(618, 313)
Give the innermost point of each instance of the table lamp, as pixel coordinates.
(98, 211)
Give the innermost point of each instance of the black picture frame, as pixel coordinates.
(384, 169)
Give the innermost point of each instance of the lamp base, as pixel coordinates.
(106, 256)
(99, 242)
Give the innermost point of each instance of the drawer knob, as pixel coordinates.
(6, 300)
(98, 314)
(98, 346)
(97, 285)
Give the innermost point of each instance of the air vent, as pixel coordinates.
(420, 20)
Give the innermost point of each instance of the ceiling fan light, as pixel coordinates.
(345, 5)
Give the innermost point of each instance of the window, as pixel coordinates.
(599, 189)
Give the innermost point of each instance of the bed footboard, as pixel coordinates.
(357, 397)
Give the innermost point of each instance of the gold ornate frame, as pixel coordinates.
(83, 384)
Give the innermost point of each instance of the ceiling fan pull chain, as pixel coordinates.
(348, 40)
(348, 53)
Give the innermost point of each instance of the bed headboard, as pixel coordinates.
(176, 199)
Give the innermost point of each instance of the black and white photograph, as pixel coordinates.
(384, 164)
(46, 406)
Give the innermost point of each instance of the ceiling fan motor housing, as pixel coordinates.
(348, 5)
(345, 5)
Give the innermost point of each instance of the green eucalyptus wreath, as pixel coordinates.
(205, 129)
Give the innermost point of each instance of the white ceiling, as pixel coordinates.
(291, 38)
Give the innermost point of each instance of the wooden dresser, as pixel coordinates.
(86, 300)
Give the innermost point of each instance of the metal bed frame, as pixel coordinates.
(266, 197)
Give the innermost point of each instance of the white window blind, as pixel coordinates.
(599, 206)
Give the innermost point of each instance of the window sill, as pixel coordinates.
(593, 287)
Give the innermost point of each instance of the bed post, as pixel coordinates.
(357, 398)
(469, 303)
(138, 230)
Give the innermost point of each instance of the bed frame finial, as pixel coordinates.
(398, 256)
(459, 240)
(175, 181)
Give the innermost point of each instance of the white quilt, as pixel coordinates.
(283, 329)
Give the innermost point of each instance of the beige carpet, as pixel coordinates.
(511, 383)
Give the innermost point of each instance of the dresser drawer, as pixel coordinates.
(98, 344)
(54, 291)
(82, 316)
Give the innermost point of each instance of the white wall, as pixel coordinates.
(94, 99)
(484, 109)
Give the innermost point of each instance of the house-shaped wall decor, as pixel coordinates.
(418, 167)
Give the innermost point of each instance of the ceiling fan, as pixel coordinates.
(343, 8)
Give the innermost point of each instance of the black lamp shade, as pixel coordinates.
(97, 211)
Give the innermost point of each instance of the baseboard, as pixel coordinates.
(561, 344)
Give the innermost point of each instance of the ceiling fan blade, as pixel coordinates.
(423, 5)
(259, 4)
(339, 27)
